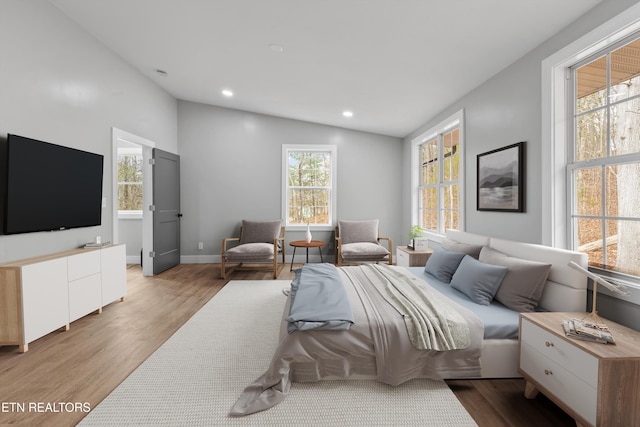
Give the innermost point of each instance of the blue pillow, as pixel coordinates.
(477, 280)
(442, 264)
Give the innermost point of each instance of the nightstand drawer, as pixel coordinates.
(570, 389)
(597, 384)
(579, 363)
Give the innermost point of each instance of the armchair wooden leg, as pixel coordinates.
(224, 271)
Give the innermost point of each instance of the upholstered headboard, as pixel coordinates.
(566, 288)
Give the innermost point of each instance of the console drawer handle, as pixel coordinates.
(548, 372)
(548, 344)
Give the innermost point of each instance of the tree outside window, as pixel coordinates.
(309, 185)
(439, 193)
(604, 176)
(129, 180)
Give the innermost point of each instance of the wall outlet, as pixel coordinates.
(200, 245)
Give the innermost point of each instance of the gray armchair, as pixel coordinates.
(260, 242)
(359, 242)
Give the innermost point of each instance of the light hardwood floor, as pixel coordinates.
(84, 364)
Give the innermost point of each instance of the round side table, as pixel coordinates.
(303, 244)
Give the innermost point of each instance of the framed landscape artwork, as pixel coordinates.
(501, 179)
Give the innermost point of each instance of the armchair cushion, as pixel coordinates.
(256, 252)
(364, 251)
(358, 231)
(260, 231)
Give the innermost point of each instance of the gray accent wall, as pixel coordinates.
(59, 84)
(231, 163)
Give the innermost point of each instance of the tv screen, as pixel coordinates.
(50, 187)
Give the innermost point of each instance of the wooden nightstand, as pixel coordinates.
(597, 384)
(406, 257)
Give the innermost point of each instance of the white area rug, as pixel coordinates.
(197, 375)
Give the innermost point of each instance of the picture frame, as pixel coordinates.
(501, 179)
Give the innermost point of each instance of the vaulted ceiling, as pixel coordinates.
(393, 63)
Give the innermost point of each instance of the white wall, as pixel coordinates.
(60, 85)
(230, 164)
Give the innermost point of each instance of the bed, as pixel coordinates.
(374, 342)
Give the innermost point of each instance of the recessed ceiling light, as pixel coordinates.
(227, 93)
(347, 113)
(276, 47)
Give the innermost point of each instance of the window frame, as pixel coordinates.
(333, 152)
(555, 145)
(609, 159)
(554, 118)
(452, 122)
(127, 214)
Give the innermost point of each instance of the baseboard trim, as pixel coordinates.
(215, 259)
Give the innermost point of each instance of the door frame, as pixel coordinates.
(147, 193)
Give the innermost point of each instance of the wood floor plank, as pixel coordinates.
(84, 364)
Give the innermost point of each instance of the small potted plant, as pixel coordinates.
(414, 232)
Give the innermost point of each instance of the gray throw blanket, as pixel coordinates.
(318, 300)
(432, 321)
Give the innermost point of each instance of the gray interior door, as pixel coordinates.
(166, 213)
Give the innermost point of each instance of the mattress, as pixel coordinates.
(499, 321)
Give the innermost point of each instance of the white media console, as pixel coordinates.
(42, 294)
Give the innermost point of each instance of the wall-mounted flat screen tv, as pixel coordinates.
(50, 187)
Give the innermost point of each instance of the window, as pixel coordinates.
(130, 182)
(439, 190)
(603, 171)
(309, 185)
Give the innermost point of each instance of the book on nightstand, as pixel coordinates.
(588, 331)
